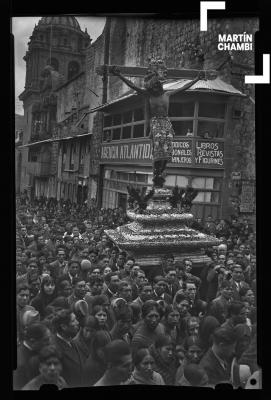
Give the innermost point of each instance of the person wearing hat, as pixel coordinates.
(122, 327)
(85, 267)
(29, 317)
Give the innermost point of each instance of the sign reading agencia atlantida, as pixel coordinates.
(235, 41)
(201, 153)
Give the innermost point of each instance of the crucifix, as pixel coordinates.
(161, 130)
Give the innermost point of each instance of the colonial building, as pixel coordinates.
(74, 140)
(56, 54)
(86, 133)
(213, 121)
(19, 131)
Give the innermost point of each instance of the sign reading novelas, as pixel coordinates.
(186, 152)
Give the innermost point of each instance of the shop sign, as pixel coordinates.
(209, 153)
(186, 152)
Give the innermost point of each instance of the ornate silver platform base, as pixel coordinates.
(160, 230)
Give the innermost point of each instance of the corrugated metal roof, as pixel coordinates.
(214, 85)
(210, 85)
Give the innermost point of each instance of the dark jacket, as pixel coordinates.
(71, 362)
(82, 347)
(235, 294)
(165, 296)
(93, 371)
(41, 301)
(173, 288)
(216, 373)
(27, 366)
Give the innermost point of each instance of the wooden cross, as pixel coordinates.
(172, 73)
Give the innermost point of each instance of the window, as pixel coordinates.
(73, 69)
(107, 120)
(138, 131)
(208, 129)
(212, 110)
(106, 136)
(32, 157)
(127, 117)
(125, 125)
(116, 119)
(181, 127)
(173, 180)
(72, 154)
(142, 178)
(116, 134)
(82, 153)
(139, 114)
(64, 156)
(181, 109)
(126, 132)
(210, 192)
(54, 63)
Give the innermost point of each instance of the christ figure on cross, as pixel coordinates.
(161, 130)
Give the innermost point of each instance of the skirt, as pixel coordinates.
(162, 133)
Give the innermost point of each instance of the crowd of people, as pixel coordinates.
(89, 315)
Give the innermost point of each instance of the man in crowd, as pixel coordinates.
(118, 359)
(217, 360)
(92, 276)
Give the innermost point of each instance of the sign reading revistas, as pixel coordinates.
(186, 152)
(209, 153)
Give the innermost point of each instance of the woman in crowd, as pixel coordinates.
(166, 336)
(144, 373)
(95, 365)
(150, 328)
(46, 295)
(163, 353)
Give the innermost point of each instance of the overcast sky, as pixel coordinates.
(22, 28)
